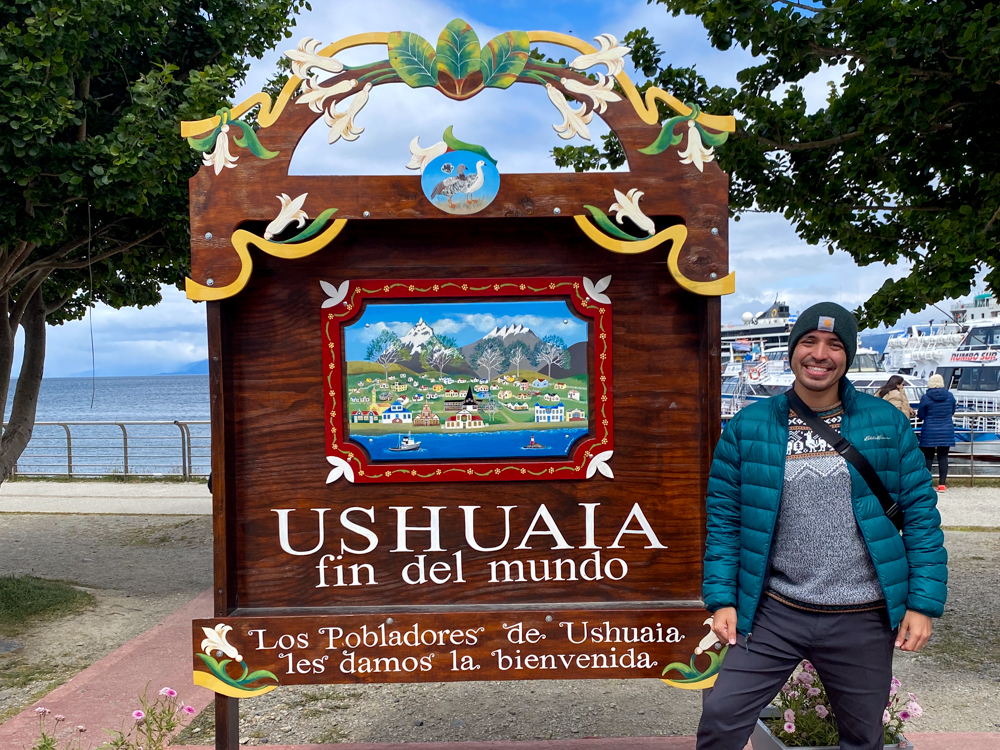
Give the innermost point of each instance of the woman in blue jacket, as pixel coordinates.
(938, 433)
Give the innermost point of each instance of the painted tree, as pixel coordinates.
(490, 355)
(490, 407)
(520, 354)
(386, 350)
(900, 164)
(94, 193)
(551, 350)
(440, 352)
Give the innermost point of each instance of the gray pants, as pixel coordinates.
(851, 652)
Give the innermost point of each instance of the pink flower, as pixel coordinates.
(789, 715)
(915, 710)
(912, 696)
(138, 715)
(189, 710)
(822, 711)
(786, 688)
(789, 727)
(42, 711)
(813, 692)
(894, 686)
(806, 678)
(904, 715)
(885, 717)
(793, 693)
(59, 717)
(807, 665)
(169, 692)
(80, 728)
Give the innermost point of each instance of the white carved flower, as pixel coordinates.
(335, 294)
(342, 123)
(696, 153)
(315, 95)
(340, 469)
(708, 641)
(291, 210)
(628, 205)
(220, 156)
(304, 59)
(594, 290)
(575, 121)
(421, 157)
(610, 55)
(600, 93)
(600, 463)
(215, 640)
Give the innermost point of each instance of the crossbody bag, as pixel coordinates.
(851, 454)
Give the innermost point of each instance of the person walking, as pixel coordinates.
(803, 559)
(894, 392)
(937, 436)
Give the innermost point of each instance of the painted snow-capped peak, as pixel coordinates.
(417, 336)
(514, 329)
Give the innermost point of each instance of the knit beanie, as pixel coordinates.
(935, 381)
(827, 316)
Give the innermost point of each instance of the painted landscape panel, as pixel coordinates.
(467, 380)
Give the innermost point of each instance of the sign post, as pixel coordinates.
(462, 420)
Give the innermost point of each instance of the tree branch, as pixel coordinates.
(107, 254)
(801, 6)
(809, 145)
(836, 52)
(24, 249)
(24, 299)
(992, 219)
(54, 306)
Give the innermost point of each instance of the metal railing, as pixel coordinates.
(970, 426)
(180, 448)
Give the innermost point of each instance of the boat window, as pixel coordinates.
(947, 373)
(729, 387)
(969, 380)
(914, 393)
(988, 378)
(982, 336)
(866, 363)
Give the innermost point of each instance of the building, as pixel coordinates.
(451, 393)
(364, 417)
(482, 388)
(505, 394)
(560, 386)
(426, 418)
(524, 385)
(556, 413)
(573, 395)
(552, 397)
(468, 403)
(397, 414)
(438, 387)
(540, 383)
(464, 420)
(399, 387)
(523, 406)
(576, 415)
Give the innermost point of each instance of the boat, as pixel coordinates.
(406, 444)
(768, 329)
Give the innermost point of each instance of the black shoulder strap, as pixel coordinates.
(851, 454)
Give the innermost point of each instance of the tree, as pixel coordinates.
(519, 353)
(385, 350)
(94, 172)
(490, 406)
(490, 355)
(551, 350)
(439, 352)
(903, 161)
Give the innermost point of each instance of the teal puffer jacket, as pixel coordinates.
(744, 489)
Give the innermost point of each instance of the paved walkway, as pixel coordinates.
(120, 498)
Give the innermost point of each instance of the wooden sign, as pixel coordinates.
(462, 419)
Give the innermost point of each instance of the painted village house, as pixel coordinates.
(505, 394)
(438, 387)
(523, 406)
(364, 417)
(560, 386)
(397, 414)
(552, 397)
(574, 395)
(468, 403)
(555, 413)
(464, 420)
(524, 385)
(451, 393)
(426, 418)
(576, 415)
(540, 383)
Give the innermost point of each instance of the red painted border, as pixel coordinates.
(570, 288)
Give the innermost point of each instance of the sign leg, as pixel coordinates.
(227, 723)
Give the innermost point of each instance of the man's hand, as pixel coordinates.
(913, 633)
(724, 624)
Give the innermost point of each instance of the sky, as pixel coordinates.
(465, 322)
(516, 125)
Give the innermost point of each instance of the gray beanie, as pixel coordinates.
(827, 316)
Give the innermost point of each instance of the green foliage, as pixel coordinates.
(458, 50)
(605, 223)
(440, 352)
(900, 165)
(456, 145)
(549, 351)
(503, 59)
(413, 58)
(24, 599)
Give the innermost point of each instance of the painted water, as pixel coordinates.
(457, 447)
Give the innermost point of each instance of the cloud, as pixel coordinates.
(568, 327)
(447, 326)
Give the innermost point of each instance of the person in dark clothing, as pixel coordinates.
(937, 436)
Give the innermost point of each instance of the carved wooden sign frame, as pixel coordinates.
(348, 551)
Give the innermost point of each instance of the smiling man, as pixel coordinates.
(803, 561)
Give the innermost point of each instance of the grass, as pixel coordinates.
(201, 730)
(16, 673)
(971, 528)
(25, 600)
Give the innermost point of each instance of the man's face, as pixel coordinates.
(819, 360)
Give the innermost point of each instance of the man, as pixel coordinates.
(801, 560)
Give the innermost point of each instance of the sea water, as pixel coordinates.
(479, 445)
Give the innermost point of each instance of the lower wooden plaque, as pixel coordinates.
(246, 656)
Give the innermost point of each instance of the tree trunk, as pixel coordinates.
(22, 414)
(6, 350)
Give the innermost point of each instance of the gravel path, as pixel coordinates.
(142, 567)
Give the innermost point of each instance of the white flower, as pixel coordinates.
(220, 157)
(600, 93)
(216, 641)
(628, 205)
(342, 123)
(313, 94)
(335, 294)
(304, 58)
(708, 641)
(421, 157)
(696, 153)
(340, 469)
(291, 210)
(600, 463)
(594, 291)
(610, 55)
(574, 120)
